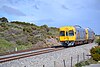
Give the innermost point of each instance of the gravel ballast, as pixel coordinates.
(68, 57)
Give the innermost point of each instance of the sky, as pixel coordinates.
(54, 13)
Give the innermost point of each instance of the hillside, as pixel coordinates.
(22, 35)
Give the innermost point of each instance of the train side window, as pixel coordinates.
(62, 33)
(71, 33)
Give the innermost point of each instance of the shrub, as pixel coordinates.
(27, 29)
(3, 19)
(82, 64)
(2, 29)
(95, 52)
(6, 46)
(23, 47)
(23, 23)
(19, 42)
(85, 63)
(49, 33)
(4, 26)
(45, 27)
(96, 57)
(98, 41)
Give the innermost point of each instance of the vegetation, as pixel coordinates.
(24, 35)
(95, 52)
(6, 46)
(3, 19)
(95, 57)
(98, 41)
(23, 23)
(87, 62)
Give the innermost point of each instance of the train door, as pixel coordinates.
(63, 36)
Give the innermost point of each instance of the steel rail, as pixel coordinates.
(5, 59)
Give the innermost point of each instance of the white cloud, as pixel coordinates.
(11, 11)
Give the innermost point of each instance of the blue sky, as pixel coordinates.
(56, 13)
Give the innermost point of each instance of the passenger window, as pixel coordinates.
(62, 33)
(71, 33)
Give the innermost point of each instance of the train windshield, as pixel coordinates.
(71, 33)
(62, 33)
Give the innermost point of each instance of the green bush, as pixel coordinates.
(82, 64)
(78, 65)
(23, 23)
(6, 46)
(96, 57)
(23, 47)
(3, 19)
(98, 41)
(87, 62)
(19, 42)
(95, 52)
(4, 26)
(27, 29)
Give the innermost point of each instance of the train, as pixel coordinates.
(75, 35)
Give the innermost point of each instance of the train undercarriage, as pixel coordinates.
(73, 43)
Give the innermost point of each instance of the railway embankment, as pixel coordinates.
(66, 57)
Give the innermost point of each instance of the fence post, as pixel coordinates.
(54, 63)
(71, 61)
(83, 56)
(77, 58)
(64, 63)
(43, 66)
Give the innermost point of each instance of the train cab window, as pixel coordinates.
(62, 33)
(71, 33)
(66, 33)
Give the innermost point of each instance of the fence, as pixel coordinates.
(84, 57)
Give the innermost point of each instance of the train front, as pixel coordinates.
(67, 36)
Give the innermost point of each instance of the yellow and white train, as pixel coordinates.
(74, 35)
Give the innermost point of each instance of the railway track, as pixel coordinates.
(15, 56)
